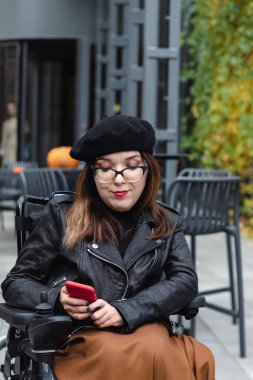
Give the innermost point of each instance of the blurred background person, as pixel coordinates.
(9, 134)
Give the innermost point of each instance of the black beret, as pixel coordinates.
(112, 134)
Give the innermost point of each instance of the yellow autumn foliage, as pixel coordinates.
(221, 114)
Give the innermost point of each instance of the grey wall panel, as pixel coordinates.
(47, 18)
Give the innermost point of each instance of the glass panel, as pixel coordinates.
(117, 103)
(104, 4)
(120, 20)
(140, 45)
(161, 148)
(139, 98)
(104, 42)
(119, 57)
(9, 64)
(102, 108)
(142, 4)
(49, 97)
(103, 83)
(162, 92)
(163, 36)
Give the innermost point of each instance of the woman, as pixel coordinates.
(115, 237)
(9, 134)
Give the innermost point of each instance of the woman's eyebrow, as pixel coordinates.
(102, 159)
(136, 156)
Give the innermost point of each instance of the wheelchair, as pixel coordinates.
(34, 336)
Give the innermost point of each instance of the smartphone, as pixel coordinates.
(77, 290)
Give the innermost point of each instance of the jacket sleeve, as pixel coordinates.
(169, 295)
(28, 278)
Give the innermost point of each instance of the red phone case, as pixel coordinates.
(77, 290)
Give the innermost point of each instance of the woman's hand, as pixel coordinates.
(75, 307)
(101, 312)
(104, 315)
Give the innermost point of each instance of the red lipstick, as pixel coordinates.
(120, 193)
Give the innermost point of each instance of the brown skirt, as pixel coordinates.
(149, 353)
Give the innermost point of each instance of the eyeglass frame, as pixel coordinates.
(121, 172)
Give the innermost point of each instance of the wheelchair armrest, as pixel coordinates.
(197, 302)
(49, 333)
(192, 309)
(16, 317)
(45, 333)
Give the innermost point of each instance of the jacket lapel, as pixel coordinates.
(140, 244)
(107, 251)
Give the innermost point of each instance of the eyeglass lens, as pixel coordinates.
(129, 174)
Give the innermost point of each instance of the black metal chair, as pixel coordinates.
(10, 190)
(20, 164)
(71, 177)
(210, 173)
(210, 204)
(34, 336)
(41, 182)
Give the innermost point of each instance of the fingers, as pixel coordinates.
(102, 313)
(106, 316)
(78, 315)
(76, 308)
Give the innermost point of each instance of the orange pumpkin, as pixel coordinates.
(59, 157)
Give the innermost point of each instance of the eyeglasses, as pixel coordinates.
(130, 174)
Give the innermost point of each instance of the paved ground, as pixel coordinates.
(213, 328)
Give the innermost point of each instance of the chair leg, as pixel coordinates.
(240, 294)
(2, 219)
(240, 312)
(193, 327)
(193, 252)
(231, 275)
(193, 248)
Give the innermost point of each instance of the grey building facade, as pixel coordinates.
(67, 63)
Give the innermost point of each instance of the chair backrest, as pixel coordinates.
(20, 164)
(28, 212)
(206, 205)
(211, 173)
(71, 177)
(10, 185)
(42, 182)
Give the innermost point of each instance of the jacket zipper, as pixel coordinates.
(113, 263)
(58, 281)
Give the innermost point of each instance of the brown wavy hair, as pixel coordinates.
(90, 218)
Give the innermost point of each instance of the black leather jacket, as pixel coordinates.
(153, 280)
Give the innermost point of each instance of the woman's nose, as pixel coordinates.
(119, 178)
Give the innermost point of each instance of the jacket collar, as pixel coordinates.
(138, 245)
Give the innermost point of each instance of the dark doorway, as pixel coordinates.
(47, 97)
